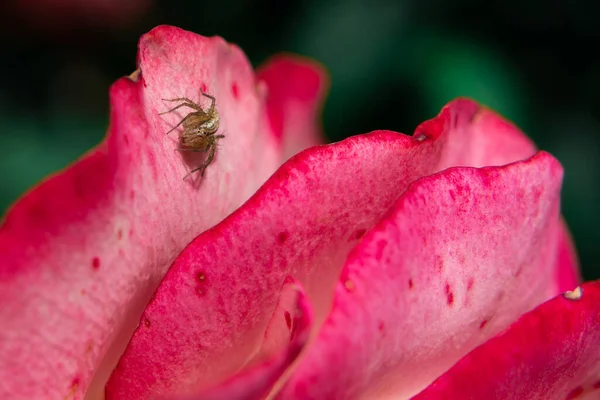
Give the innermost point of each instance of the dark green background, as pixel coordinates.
(393, 65)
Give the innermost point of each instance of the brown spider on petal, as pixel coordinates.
(199, 128)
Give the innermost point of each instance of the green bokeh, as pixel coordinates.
(33, 149)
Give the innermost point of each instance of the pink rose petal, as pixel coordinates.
(82, 253)
(294, 87)
(460, 256)
(281, 326)
(256, 382)
(304, 222)
(244, 261)
(551, 353)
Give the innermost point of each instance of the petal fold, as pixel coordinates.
(82, 253)
(460, 256)
(295, 94)
(550, 353)
(256, 382)
(304, 222)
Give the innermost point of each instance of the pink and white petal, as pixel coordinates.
(475, 136)
(177, 63)
(256, 382)
(460, 256)
(295, 93)
(227, 281)
(281, 327)
(303, 222)
(550, 353)
(82, 253)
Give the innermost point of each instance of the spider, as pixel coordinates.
(199, 128)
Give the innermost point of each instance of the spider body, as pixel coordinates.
(199, 130)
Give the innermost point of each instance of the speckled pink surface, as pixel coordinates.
(421, 268)
(288, 334)
(364, 269)
(550, 353)
(82, 253)
(456, 259)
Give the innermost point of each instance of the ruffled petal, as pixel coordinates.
(295, 317)
(551, 353)
(82, 253)
(460, 256)
(296, 90)
(303, 222)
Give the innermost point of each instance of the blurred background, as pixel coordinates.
(393, 65)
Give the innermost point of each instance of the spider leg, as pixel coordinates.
(181, 122)
(184, 104)
(183, 100)
(212, 100)
(209, 159)
(189, 173)
(180, 99)
(211, 155)
(190, 149)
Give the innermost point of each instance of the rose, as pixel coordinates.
(362, 269)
